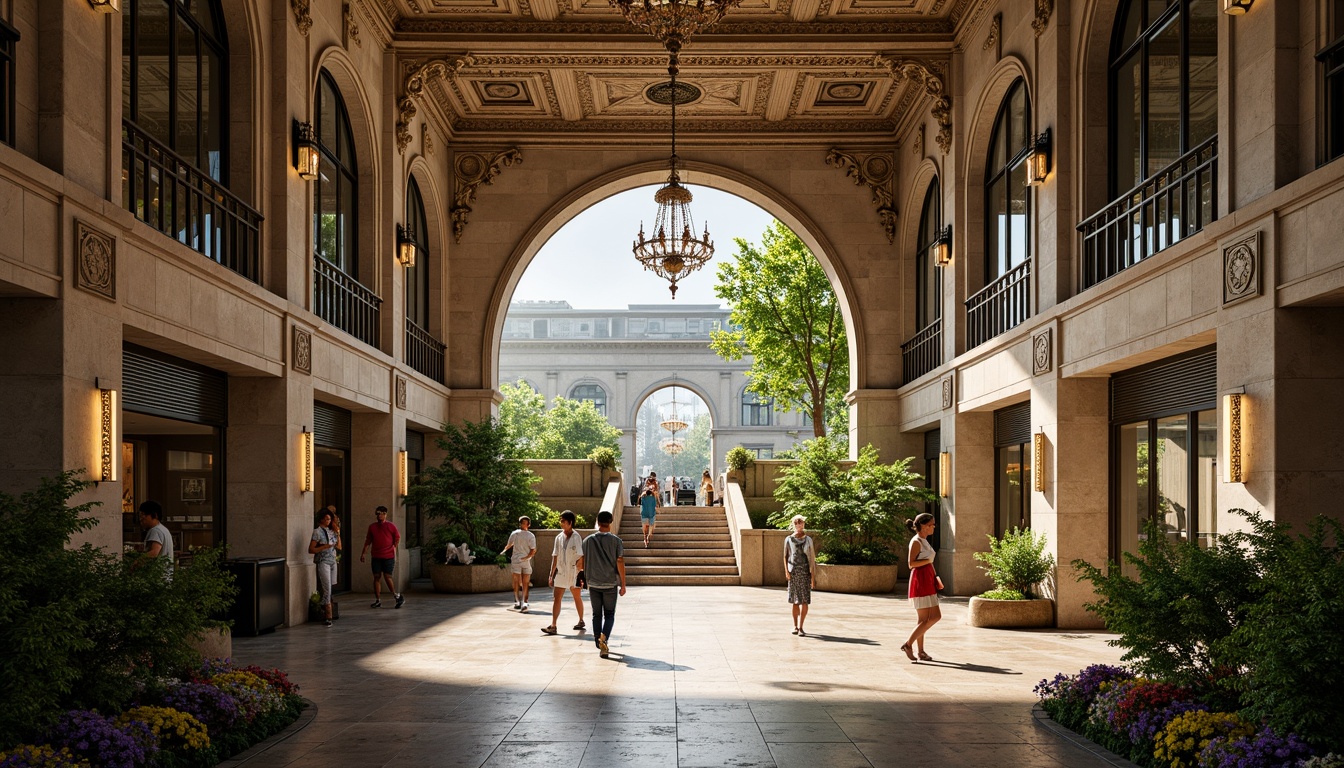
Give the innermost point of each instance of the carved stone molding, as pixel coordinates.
(1043, 10)
(1043, 352)
(303, 16)
(917, 146)
(351, 26)
(301, 350)
(993, 39)
(930, 79)
(400, 393)
(427, 139)
(473, 170)
(1241, 269)
(947, 392)
(414, 88)
(95, 261)
(878, 171)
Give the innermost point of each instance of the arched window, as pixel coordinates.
(335, 193)
(928, 278)
(756, 412)
(593, 393)
(1007, 204)
(417, 277)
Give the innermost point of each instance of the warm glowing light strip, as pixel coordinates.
(107, 438)
(1038, 460)
(403, 474)
(1232, 439)
(944, 474)
(306, 461)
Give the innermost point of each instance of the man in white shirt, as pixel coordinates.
(158, 539)
(524, 545)
(565, 557)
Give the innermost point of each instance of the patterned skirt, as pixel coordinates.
(800, 586)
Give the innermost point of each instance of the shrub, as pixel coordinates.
(551, 519)
(1003, 594)
(1178, 745)
(739, 458)
(102, 741)
(604, 457)
(1067, 699)
(33, 756)
(215, 708)
(1264, 749)
(1017, 561)
(1330, 760)
(862, 554)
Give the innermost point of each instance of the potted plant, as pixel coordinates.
(315, 612)
(857, 514)
(606, 459)
(738, 459)
(476, 494)
(1017, 563)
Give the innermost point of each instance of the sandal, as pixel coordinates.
(795, 630)
(580, 626)
(801, 633)
(909, 653)
(924, 656)
(548, 630)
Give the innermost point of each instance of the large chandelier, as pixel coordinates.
(673, 423)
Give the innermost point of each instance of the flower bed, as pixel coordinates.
(218, 711)
(1160, 725)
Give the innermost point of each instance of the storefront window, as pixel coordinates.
(177, 464)
(1014, 487)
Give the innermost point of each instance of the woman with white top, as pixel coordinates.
(924, 584)
(565, 557)
(800, 562)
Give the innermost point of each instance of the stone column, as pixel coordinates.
(968, 509)
(628, 462)
(874, 417)
(373, 482)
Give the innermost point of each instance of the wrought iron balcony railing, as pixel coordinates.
(999, 306)
(424, 353)
(923, 352)
(345, 303)
(181, 201)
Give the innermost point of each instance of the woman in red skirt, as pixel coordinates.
(924, 584)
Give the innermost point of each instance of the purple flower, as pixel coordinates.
(1149, 722)
(216, 709)
(1264, 749)
(100, 740)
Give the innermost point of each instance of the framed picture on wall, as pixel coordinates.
(193, 489)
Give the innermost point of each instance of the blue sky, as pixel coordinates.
(589, 262)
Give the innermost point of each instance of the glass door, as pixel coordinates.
(1013, 488)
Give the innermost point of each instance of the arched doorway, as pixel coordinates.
(673, 437)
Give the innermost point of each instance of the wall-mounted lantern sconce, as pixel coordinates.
(1038, 461)
(942, 247)
(1236, 7)
(306, 461)
(1038, 162)
(106, 6)
(944, 474)
(1234, 454)
(405, 247)
(109, 433)
(306, 157)
(403, 473)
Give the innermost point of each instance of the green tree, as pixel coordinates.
(523, 414)
(570, 429)
(787, 317)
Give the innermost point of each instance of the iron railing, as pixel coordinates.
(999, 306)
(1165, 208)
(424, 353)
(173, 196)
(342, 301)
(923, 352)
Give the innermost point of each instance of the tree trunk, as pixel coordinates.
(818, 416)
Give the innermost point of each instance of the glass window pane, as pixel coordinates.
(1018, 124)
(346, 244)
(1173, 476)
(1164, 98)
(1011, 484)
(153, 64)
(997, 211)
(1203, 69)
(326, 115)
(1130, 22)
(188, 99)
(1131, 486)
(212, 116)
(1127, 126)
(324, 215)
(1018, 208)
(1208, 477)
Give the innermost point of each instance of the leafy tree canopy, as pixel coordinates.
(570, 429)
(787, 317)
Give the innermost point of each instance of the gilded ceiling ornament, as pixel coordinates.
(930, 79)
(877, 170)
(473, 170)
(351, 26)
(303, 16)
(1043, 10)
(415, 87)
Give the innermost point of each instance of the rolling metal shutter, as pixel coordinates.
(415, 445)
(331, 426)
(1184, 384)
(1012, 425)
(158, 385)
(933, 441)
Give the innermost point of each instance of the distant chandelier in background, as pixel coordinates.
(674, 424)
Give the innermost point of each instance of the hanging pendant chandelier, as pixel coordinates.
(673, 423)
(673, 20)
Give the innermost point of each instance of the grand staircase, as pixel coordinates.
(691, 547)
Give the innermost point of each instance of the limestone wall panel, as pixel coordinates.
(349, 374)
(1000, 376)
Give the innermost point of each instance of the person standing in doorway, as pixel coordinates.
(565, 557)
(800, 562)
(158, 539)
(603, 564)
(324, 545)
(648, 513)
(524, 545)
(707, 488)
(384, 537)
(924, 584)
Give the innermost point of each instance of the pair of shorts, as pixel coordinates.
(648, 519)
(383, 565)
(565, 579)
(523, 567)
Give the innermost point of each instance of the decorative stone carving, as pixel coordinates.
(414, 87)
(947, 392)
(301, 350)
(351, 26)
(917, 146)
(95, 261)
(992, 40)
(473, 170)
(877, 171)
(303, 16)
(427, 139)
(1241, 269)
(401, 392)
(1043, 10)
(1043, 352)
(929, 78)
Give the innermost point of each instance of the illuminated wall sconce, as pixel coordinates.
(1038, 461)
(306, 157)
(1038, 162)
(405, 246)
(942, 247)
(1234, 455)
(403, 473)
(109, 433)
(306, 461)
(944, 474)
(106, 6)
(1236, 7)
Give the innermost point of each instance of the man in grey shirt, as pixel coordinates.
(158, 540)
(603, 566)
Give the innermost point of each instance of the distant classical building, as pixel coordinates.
(617, 358)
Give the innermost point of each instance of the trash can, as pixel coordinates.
(260, 603)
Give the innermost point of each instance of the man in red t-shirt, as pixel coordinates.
(384, 537)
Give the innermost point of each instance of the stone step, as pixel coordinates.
(664, 516)
(638, 550)
(685, 543)
(679, 525)
(678, 562)
(681, 570)
(683, 581)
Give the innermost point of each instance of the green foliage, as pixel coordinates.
(604, 457)
(570, 429)
(551, 519)
(856, 512)
(861, 554)
(1003, 594)
(523, 414)
(785, 314)
(739, 458)
(80, 626)
(1017, 562)
(480, 488)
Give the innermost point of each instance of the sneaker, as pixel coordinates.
(328, 623)
(401, 600)
(580, 626)
(517, 606)
(524, 608)
(376, 604)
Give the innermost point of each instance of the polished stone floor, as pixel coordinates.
(698, 676)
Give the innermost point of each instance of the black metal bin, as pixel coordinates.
(260, 604)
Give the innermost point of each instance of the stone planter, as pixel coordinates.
(1012, 614)
(856, 579)
(216, 643)
(467, 579)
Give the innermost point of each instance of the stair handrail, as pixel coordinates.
(612, 502)
(735, 508)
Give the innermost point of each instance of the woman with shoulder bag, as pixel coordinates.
(800, 562)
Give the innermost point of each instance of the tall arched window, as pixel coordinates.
(417, 277)
(756, 411)
(335, 193)
(1007, 204)
(928, 277)
(593, 393)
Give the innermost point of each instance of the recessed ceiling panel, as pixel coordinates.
(827, 94)
(494, 8)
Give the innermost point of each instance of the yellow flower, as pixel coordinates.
(172, 728)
